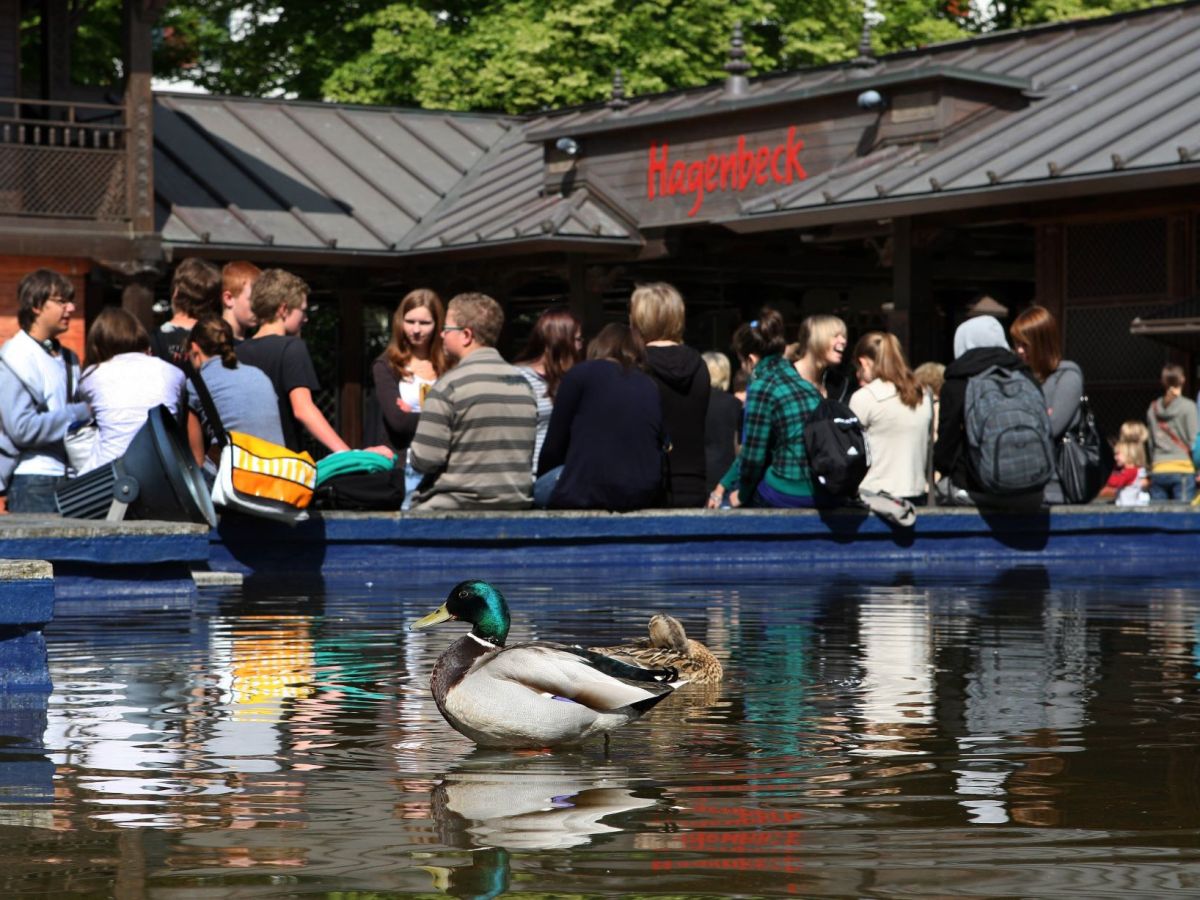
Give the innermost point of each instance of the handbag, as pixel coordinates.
(1084, 458)
(256, 476)
(261, 478)
(79, 443)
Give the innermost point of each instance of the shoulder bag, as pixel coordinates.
(1084, 458)
(255, 476)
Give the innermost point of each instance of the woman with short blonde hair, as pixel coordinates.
(656, 312)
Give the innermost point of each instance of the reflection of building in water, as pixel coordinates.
(1028, 688)
(896, 654)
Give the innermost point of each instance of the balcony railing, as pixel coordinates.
(63, 160)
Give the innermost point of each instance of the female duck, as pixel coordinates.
(669, 645)
(531, 695)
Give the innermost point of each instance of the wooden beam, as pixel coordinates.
(139, 114)
(56, 50)
(10, 48)
(350, 365)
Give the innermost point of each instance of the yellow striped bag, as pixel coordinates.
(264, 479)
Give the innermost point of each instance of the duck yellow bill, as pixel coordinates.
(441, 614)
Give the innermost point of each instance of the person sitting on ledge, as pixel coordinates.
(605, 445)
(979, 344)
(474, 441)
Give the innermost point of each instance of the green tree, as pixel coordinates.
(512, 55)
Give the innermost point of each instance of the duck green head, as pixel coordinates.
(477, 602)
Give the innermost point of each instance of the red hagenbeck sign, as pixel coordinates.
(732, 171)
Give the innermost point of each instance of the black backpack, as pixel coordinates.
(836, 448)
(362, 491)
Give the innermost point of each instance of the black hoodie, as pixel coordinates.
(949, 456)
(683, 385)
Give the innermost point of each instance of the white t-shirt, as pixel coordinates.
(121, 392)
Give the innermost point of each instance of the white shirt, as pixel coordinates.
(121, 392)
(898, 438)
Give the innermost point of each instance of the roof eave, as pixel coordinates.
(854, 84)
(343, 256)
(1059, 188)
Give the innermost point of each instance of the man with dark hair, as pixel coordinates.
(474, 441)
(37, 378)
(195, 293)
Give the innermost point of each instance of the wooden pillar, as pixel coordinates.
(56, 50)
(1050, 256)
(10, 50)
(584, 298)
(139, 114)
(350, 365)
(911, 318)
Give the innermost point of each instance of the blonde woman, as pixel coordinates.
(781, 397)
(896, 413)
(724, 420)
(656, 311)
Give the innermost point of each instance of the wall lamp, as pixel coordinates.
(872, 100)
(568, 146)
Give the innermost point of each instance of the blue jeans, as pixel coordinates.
(33, 493)
(544, 487)
(1173, 487)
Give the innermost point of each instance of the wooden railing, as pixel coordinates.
(63, 160)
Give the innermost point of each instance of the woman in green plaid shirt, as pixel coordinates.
(781, 397)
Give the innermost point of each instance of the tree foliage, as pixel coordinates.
(519, 55)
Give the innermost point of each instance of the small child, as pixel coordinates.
(1128, 483)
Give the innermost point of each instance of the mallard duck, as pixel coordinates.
(669, 645)
(532, 695)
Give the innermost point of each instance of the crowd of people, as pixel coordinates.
(632, 419)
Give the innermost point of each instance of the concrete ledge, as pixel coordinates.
(56, 539)
(26, 594)
(399, 541)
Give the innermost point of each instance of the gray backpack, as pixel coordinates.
(1008, 432)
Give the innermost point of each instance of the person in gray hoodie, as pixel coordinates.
(1036, 339)
(1172, 421)
(979, 344)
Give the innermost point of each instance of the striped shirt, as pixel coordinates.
(474, 441)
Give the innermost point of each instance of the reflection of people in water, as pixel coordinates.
(1027, 690)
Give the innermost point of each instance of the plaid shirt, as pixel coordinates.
(778, 403)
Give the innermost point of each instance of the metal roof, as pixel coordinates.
(1115, 97)
(1114, 104)
(264, 173)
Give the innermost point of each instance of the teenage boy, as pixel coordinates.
(35, 413)
(195, 293)
(279, 301)
(237, 281)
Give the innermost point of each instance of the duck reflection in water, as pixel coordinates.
(541, 802)
(497, 802)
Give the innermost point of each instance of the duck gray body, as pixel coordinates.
(537, 694)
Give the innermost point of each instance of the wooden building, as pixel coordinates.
(1059, 164)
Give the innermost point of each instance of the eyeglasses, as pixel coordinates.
(446, 328)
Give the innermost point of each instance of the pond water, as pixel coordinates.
(979, 733)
